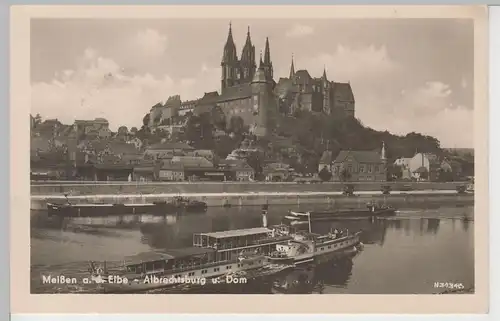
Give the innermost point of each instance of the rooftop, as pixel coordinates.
(360, 156)
(236, 233)
(161, 146)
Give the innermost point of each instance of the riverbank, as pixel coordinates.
(396, 198)
(92, 188)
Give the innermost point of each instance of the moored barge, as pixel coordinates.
(177, 205)
(296, 217)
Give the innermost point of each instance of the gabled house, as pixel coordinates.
(360, 166)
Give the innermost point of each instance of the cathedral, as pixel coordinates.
(249, 91)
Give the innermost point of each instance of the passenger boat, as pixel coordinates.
(177, 205)
(212, 255)
(307, 247)
(317, 216)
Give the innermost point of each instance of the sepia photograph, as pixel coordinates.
(249, 154)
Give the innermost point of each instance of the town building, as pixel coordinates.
(167, 150)
(171, 171)
(360, 166)
(239, 169)
(90, 129)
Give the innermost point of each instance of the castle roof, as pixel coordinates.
(302, 75)
(343, 91)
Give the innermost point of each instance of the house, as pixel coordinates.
(171, 171)
(276, 172)
(424, 166)
(146, 171)
(360, 166)
(98, 127)
(239, 169)
(167, 150)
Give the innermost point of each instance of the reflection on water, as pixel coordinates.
(404, 254)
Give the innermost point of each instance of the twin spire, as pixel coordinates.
(248, 45)
(247, 59)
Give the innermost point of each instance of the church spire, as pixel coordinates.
(324, 73)
(292, 69)
(383, 157)
(268, 65)
(229, 48)
(267, 53)
(261, 63)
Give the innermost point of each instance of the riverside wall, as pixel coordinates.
(98, 188)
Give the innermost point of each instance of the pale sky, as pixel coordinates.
(406, 74)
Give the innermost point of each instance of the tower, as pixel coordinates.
(267, 63)
(326, 90)
(229, 63)
(383, 156)
(247, 62)
(292, 70)
(262, 100)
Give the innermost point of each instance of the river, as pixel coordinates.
(406, 254)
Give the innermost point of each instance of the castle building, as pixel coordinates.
(249, 91)
(300, 91)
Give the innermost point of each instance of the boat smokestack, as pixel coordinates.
(264, 215)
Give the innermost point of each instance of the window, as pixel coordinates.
(349, 168)
(228, 267)
(370, 168)
(216, 269)
(361, 168)
(329, 247)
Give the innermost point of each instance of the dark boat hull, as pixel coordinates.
(353, 213)
(340, 214)
(96, 210)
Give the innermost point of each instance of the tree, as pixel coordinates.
(324, 174)
(145, 120)
(133, 130)
(122, 131)
(218, 118)
(37, 120)
(199, 131)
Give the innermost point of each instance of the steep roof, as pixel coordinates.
(360, 156)
(343, 91)
(122, 148)
(161, 146)
(302, 76)
(193, 161)
(326, 158)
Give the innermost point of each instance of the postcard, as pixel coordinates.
(249, 159)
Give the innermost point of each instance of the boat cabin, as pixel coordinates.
(173, 260)
(230, 244)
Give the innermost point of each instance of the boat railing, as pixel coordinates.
(268, 240)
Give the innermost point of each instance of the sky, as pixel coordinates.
(406, 74)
